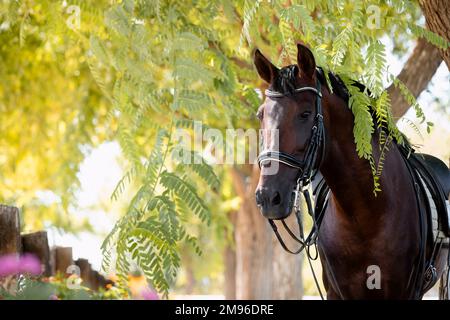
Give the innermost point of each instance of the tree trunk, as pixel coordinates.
(263, 269)
(253, 243)
(437, 17)
(230, 264)
(287, 279)
(190, 279)
(426, 58)
(416, 74)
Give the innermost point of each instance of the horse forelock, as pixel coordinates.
(285, 80)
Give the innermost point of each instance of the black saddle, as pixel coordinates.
(436, 176)
(439, 170)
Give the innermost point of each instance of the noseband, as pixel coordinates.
(307, 169)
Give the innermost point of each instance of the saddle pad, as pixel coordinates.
(448, 213)
(429, 180)
(434, 217)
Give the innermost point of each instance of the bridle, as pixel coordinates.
(306, 166)
(307, 169)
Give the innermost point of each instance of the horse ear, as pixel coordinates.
(306, 61)
(266, 69)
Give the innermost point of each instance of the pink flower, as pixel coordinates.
(13, 264)
(9, 265)
(30, 264)
(148, 294)
(53, 297)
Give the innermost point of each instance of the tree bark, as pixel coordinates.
(190, 278)
(287, 281)
(426, 58)
(416, 74)
(437, 17)
(253, 243)
(263, 269)
(230, 264)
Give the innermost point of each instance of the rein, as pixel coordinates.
(307, 169)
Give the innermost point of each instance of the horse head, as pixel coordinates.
(292, 109)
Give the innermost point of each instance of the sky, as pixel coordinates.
(101, 169)
(99, 174)
(437, 142)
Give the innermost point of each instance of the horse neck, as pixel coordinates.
(348, 176)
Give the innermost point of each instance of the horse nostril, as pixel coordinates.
(276, 200)
(258, 197)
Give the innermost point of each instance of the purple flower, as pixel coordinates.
(13, 264)
(148, 294)
(9, 265)
(30, 264)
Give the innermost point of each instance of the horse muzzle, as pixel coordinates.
(272, 204)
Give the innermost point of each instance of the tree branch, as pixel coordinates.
(416, 74)
(437, 16)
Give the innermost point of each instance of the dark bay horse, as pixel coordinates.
(359, 229)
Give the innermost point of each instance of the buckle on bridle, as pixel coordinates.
(297, 191)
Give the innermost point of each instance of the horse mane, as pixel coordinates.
(286, 78)
(285, 82)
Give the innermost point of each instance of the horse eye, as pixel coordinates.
(305, 114)
(259, 115)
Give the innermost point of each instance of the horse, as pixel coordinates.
(360, 232)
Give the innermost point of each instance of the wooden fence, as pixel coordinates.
(56, 260)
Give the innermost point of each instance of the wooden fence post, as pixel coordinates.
(37, 243)
(9, 230)
(9, 242)
(54, 261)
(95, 280)
(85, 271)
(62, 257)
